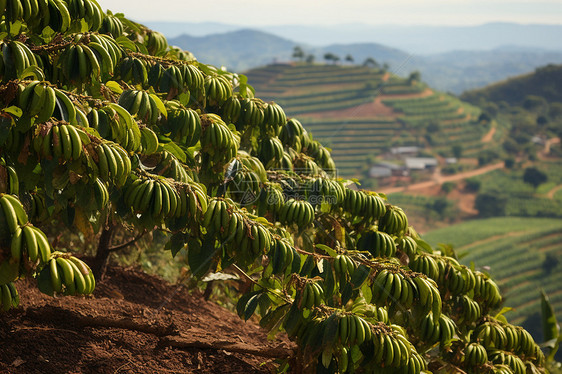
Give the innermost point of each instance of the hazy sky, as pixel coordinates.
(374, 12)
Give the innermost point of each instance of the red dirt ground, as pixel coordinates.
(134, 323)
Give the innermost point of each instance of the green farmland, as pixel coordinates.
(522, 254)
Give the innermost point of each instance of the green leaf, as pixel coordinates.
(200, 256)
(174, 149)
(424, 245)
(114, 86)
(251, 306)
(550, 327)
(13, 110)
(124, 42)
(330, 331)
(359, 276)
(327, 249)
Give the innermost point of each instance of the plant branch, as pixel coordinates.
(126, 244)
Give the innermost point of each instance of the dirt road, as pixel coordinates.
(439, 179)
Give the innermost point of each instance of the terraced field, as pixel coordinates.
(522, 254)
(361, 112)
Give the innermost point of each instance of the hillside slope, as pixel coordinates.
(544, 82)
(362, 112)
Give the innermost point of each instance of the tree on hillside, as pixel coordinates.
(534, 176)
(370, 62)
(310, 59)
(414, 77)
(349, 58)
(110, 137)
(329, 56)
(298, 53)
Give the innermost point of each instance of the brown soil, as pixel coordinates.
(489, 135)
(368, 110)
(134, 323)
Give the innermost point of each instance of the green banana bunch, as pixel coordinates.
(281, 256)
(270, 199)
(112, 25)
(217, 89)
(416, 364)
(254, 164)
(170, 167)
(297, 212)
(394, 221)
(79, 63)
(475, 355)
(192, 201)
(244, 187)
(16, 57)
(344, 266)
(58, 141)
(378, 243)
(85, 10)
(424, 263)
(392, 287)
(486, 290)
(14, 213)
(364, 204)
(427, 294)
(35, 205)
(157, 199)
(291, 134)
(324, 159)
(38, 101)
(217, 140)
(270, 151)
(145, 106)
(52, 13)
(231, 109)
(171, 81)
(12, 183)
(469, 310)
(305, 165)
(407, 245)
(321, 190)
(30, 243)
(133, 70)
(156, 43)
(252, 113)
(113, 163)
(274, 119)
(101, 194)
(311, 295)
(115, 123)
(490, 334)
(193, 78)
(391, 349)
(353, 329)
(9, 296)
(515, 363)
(184, 124)
(67, 275)
(435, 330)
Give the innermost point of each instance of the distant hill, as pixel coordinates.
(454, 72)
(237, 50)
(420, 40)
(545, 82)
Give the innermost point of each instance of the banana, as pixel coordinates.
(9, 213)
(75, 141)
(17, 207)
(66, 142)
(30, 243)
(67, 274)
(42, 244)
(56, 280)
